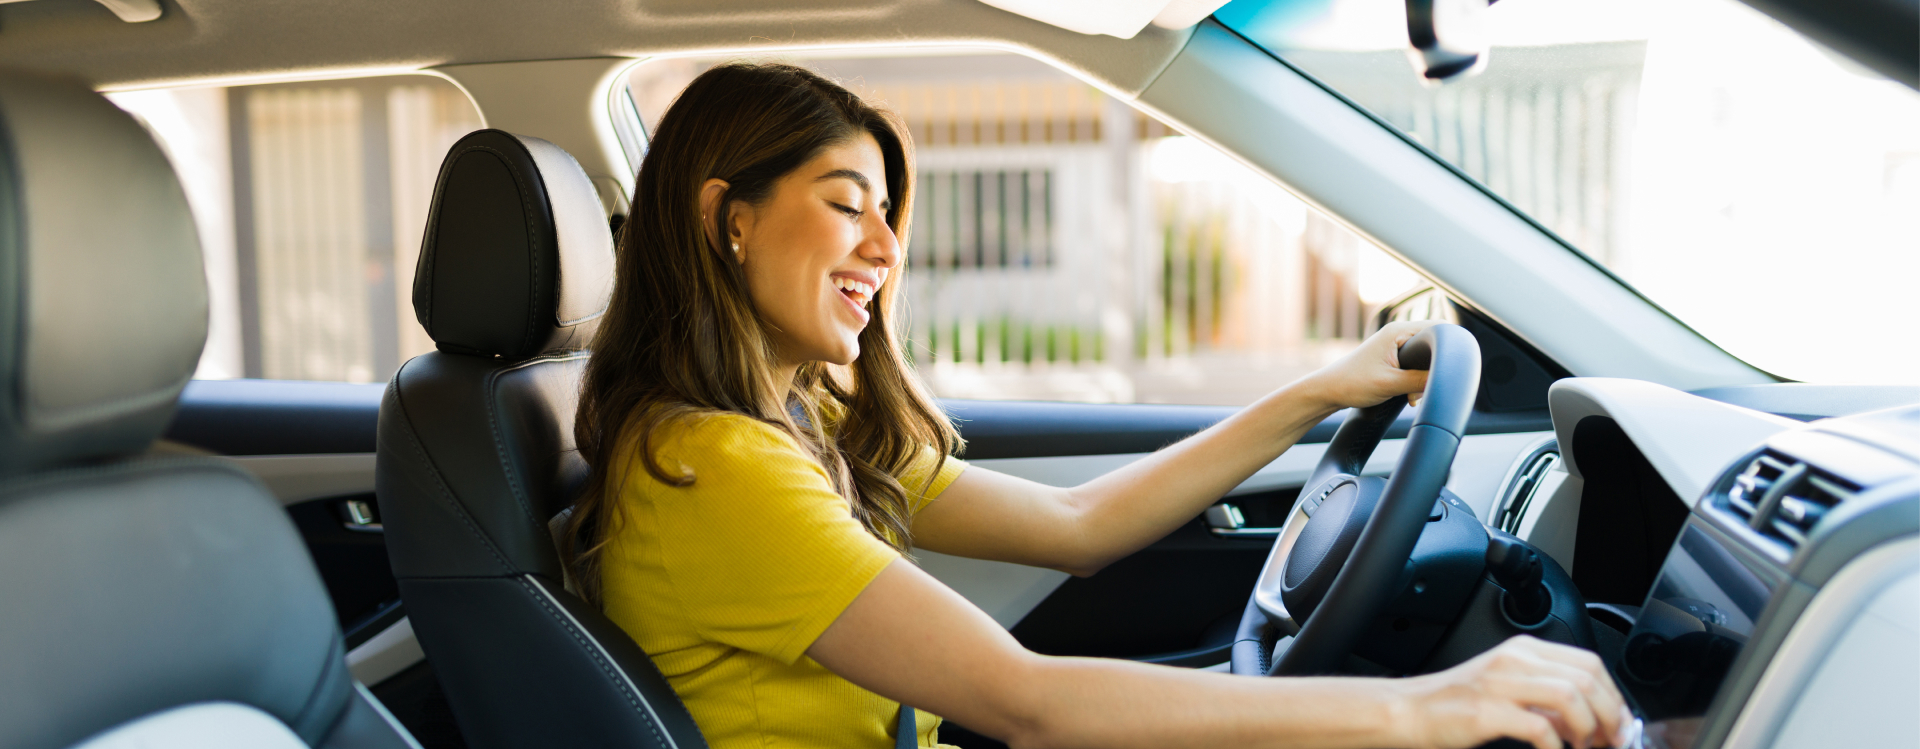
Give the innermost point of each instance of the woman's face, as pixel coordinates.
(817, 252)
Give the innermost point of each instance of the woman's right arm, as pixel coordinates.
(910, 638)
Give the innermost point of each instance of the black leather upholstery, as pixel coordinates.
(476, 454)
(131, 586)
(511, 264)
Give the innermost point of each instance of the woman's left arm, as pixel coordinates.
(990, 515)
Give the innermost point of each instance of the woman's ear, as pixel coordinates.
(739, 221)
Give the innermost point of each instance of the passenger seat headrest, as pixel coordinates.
(103, 301)
(517, 258)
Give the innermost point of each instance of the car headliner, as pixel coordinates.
(208, 41)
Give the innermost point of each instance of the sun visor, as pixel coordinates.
(1121, 18)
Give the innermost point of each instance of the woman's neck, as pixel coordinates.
(783, 377)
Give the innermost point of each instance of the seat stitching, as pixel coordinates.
(500, 446)
(406, 427)
(607, 668)
(499, 442)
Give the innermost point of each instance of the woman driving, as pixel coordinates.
(764, 459)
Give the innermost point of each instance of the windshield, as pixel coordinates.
(1762, 189)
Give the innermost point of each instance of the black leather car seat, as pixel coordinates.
(144, 600)
(476, 454)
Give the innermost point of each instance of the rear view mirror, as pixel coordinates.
(1449, 38)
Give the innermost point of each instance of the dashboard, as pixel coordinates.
(1755, 580)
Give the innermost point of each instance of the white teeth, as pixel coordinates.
(861, 292)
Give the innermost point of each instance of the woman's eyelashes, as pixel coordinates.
(852, 213)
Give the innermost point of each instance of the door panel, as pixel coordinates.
(1009, 593)
(1164, 600)
(278, 417)
(299, 478)
(352, 558)
(1026, 429)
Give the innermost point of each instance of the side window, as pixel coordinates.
(1068, 247)
(310, 199)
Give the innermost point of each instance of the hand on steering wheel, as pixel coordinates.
(1371, 373)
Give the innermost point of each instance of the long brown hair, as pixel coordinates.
(682, 337)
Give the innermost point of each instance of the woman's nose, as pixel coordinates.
(881, 246)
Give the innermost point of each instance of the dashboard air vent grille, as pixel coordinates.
(1803, 506)
(1783, 498)
(1753, 483)
(1525, 485)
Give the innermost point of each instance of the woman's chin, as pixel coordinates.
(848, 358)
(841, 355)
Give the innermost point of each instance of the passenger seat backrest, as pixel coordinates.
(476, 454)
(142, 600)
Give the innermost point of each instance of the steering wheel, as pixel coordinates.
(1340, 555)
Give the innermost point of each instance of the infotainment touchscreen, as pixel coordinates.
(1697, 617)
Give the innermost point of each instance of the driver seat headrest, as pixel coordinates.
(517, 259)
(103, 300)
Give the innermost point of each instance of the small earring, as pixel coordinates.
(736, 250)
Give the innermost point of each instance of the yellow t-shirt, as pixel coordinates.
(727, 582)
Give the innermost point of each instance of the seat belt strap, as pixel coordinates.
(907, 736)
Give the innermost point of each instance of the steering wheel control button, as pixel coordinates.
(1324, 545)
(1314, 500)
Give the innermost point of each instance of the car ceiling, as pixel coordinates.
(206, 40)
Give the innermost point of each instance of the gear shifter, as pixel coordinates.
(1516, 568)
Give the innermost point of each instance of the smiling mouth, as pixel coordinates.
(859, 292)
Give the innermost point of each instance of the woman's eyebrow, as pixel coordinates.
(856, 176)
(865, 184)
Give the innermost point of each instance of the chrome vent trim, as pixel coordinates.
(1784, 499)
(1753, 483)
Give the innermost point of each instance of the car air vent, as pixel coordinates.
(1783, 498)
(1526, 484)
(1753, 483)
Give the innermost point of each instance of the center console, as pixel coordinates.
(1757, 550)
